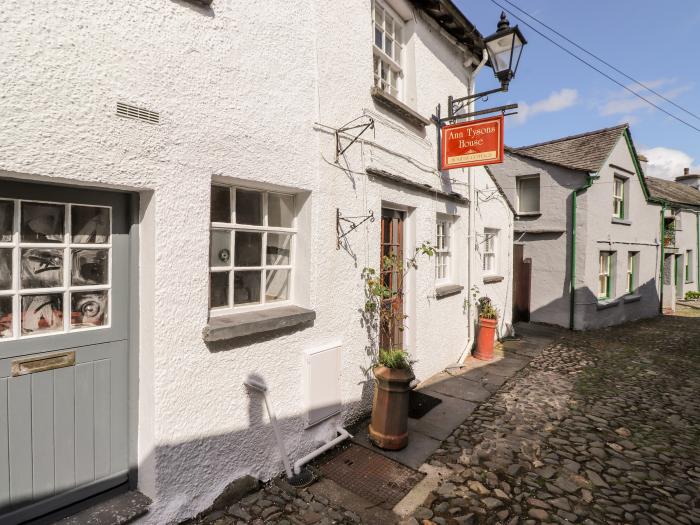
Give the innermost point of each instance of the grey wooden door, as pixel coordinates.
(64, 296)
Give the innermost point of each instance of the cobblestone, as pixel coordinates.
(602, 427)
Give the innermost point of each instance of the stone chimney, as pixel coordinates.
(689, 179)
(643, 163)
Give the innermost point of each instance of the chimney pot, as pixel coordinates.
(686, 171)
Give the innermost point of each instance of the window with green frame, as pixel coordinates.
(619, 198)
(605, 276)
(688, 266)
(632, 270)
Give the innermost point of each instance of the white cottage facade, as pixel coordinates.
(175, 219)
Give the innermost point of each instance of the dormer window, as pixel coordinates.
(388, 49)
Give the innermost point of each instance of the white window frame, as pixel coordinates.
(66, 246)
(518, 184)
(265, 229)
(382, 61)
(443, 250)
(619, 198)
(605, 275)
(490, 252)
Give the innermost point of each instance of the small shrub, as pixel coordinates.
(692, 296)
(486, 309)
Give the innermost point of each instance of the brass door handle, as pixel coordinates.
(42, 364)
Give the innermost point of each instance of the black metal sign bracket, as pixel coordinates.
(339, 149)
(354, 223)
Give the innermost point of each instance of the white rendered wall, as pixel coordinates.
(241, 89)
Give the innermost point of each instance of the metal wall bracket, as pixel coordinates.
(339, 149)
(354, 223)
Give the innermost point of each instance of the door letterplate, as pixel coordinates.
(41, 364)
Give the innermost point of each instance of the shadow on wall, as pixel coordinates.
(591, 313)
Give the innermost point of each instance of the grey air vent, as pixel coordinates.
(129, 111)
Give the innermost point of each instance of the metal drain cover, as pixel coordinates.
(372, 476)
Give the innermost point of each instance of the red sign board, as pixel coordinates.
(474, 143)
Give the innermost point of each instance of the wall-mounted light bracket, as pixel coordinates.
(339, 149)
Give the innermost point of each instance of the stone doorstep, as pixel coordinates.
(118, 510)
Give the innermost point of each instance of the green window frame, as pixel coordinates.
(605, 275)
(689, 266)
(619, 198)
(632, 264)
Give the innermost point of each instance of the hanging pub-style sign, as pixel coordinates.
(474, 143)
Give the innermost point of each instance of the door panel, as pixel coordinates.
(63, 392)
(391, 330)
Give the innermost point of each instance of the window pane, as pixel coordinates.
(42, 222)
(278, 249)
(277, 286)
(5, 268)
(6, 214)
(378, 37)
(246, 287)
(248, 249)
(378, 15)
(218, 289)
(42, 268)
(90, 224)
(88, 309)
(389, 47)
(42, 313)
(220, 204)
(89, 267)
(529, 195)
(220, 248)
(280, 210)
(603, 287)
(248, 207)
(5, 316)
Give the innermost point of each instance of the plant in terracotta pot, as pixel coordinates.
(488, 321)
(391, 364)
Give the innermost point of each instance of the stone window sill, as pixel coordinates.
(632, 298)
(624, 222)
(530, 214)
(607, 303)
(255, 322)
(448, 289)
(396, 106)
(493, 279)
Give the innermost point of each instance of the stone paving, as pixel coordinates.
(601, 427)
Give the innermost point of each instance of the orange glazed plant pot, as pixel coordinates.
(484, 342)
(389, 426)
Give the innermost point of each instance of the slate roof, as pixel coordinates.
(672, 191)
(583, 152)
(452, 20)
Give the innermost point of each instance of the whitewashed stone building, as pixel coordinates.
(132, 133)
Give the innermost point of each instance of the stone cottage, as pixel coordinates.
(189, 192)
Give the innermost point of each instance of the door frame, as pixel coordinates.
(133, 330)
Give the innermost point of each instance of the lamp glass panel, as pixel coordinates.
(499, 51)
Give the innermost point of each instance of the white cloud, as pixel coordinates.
(624, 102)
(667, 163)
(557, 101)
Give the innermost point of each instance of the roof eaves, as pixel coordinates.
(451, 19)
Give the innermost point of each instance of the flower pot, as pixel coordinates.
(485, 339)
(389, 426)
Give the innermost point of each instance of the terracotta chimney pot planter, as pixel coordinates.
(389, 426)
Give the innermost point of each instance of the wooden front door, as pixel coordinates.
(522, 277)
(391, 268)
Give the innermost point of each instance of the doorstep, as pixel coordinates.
(118, 510)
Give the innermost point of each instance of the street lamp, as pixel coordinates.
(504, 48)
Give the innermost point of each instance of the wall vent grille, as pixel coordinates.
(129, 111)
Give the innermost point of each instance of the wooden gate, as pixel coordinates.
(522, 277)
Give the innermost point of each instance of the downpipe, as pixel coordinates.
(296, 477)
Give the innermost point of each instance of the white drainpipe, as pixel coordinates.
(344, 434)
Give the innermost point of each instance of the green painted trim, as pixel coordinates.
(697, 250)
(635, 160)
(663, 258)
(572, 263)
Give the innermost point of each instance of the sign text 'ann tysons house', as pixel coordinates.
(474, 143)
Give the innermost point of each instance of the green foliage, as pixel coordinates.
(692, 296)
(483, 305)
(378, 315)
(394, 358)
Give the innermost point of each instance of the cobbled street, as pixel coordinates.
(601, 427)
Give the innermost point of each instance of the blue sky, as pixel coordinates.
(655, 42)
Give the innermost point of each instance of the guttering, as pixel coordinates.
(697, 250)
(572, 263)
(663, 257)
